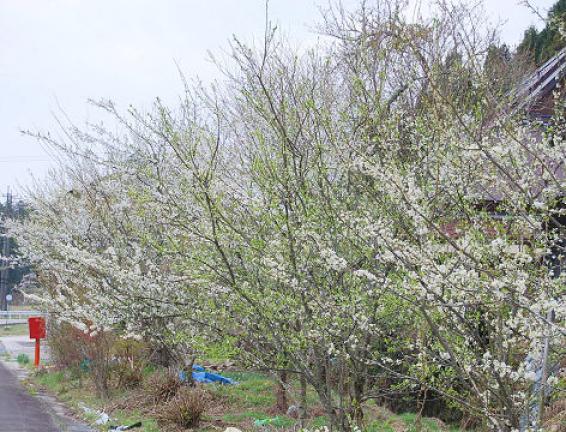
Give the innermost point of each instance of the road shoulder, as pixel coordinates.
(58, 412)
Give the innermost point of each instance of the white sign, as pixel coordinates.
(9, 297)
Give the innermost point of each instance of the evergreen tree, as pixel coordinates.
(541, 46)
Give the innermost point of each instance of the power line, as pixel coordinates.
(26, 161)
(23, 158)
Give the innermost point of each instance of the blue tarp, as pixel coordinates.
(207, 378)
(200, 375)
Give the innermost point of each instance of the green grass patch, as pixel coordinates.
(318, 422)
(253, 390)
(71, 389)
(52, 380)
(234, 405)
(243, 416)
(14, 330)
(23, 359)
(406, 422)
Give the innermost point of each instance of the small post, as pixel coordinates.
(37, 332)
(37, 349)
(8, 300)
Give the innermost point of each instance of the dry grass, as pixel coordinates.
(156, 390)
(185, 409)
(165, 398)
(161, 387)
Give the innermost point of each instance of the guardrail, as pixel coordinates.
(18, 314)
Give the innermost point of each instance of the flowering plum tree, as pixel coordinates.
(369, 214)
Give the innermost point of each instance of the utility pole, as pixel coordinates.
(5, 253)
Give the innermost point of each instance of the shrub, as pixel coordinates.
(161, 387)
(73, 349)
(128, 378)
(185, 409)
(130, 359)
(65, 345)
(98, 348)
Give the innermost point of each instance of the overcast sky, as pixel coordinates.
(59, 53)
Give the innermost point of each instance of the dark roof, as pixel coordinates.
(535, 92)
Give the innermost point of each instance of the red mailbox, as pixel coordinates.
(36, 327)
(37, 332)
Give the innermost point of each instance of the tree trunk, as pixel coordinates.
(282, 404)
(421, 401)
(303, 402)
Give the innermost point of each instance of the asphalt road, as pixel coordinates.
(19, 411)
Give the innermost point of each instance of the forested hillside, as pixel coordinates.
(11, 273)
(542, 45)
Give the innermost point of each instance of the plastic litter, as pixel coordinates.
(101, 417)
(125, 428)
(273, 421)
(85, 365)
(200, 375)
(207, 378)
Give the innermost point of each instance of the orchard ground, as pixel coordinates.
(237, 405)
(240, 405)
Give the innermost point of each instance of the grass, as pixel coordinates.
(127, 418)
(54, 381)
(238, 405)
(14, 330)
(252, 391)
(23, 359)
(75, 390)
(28, 307)
(253, 399)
